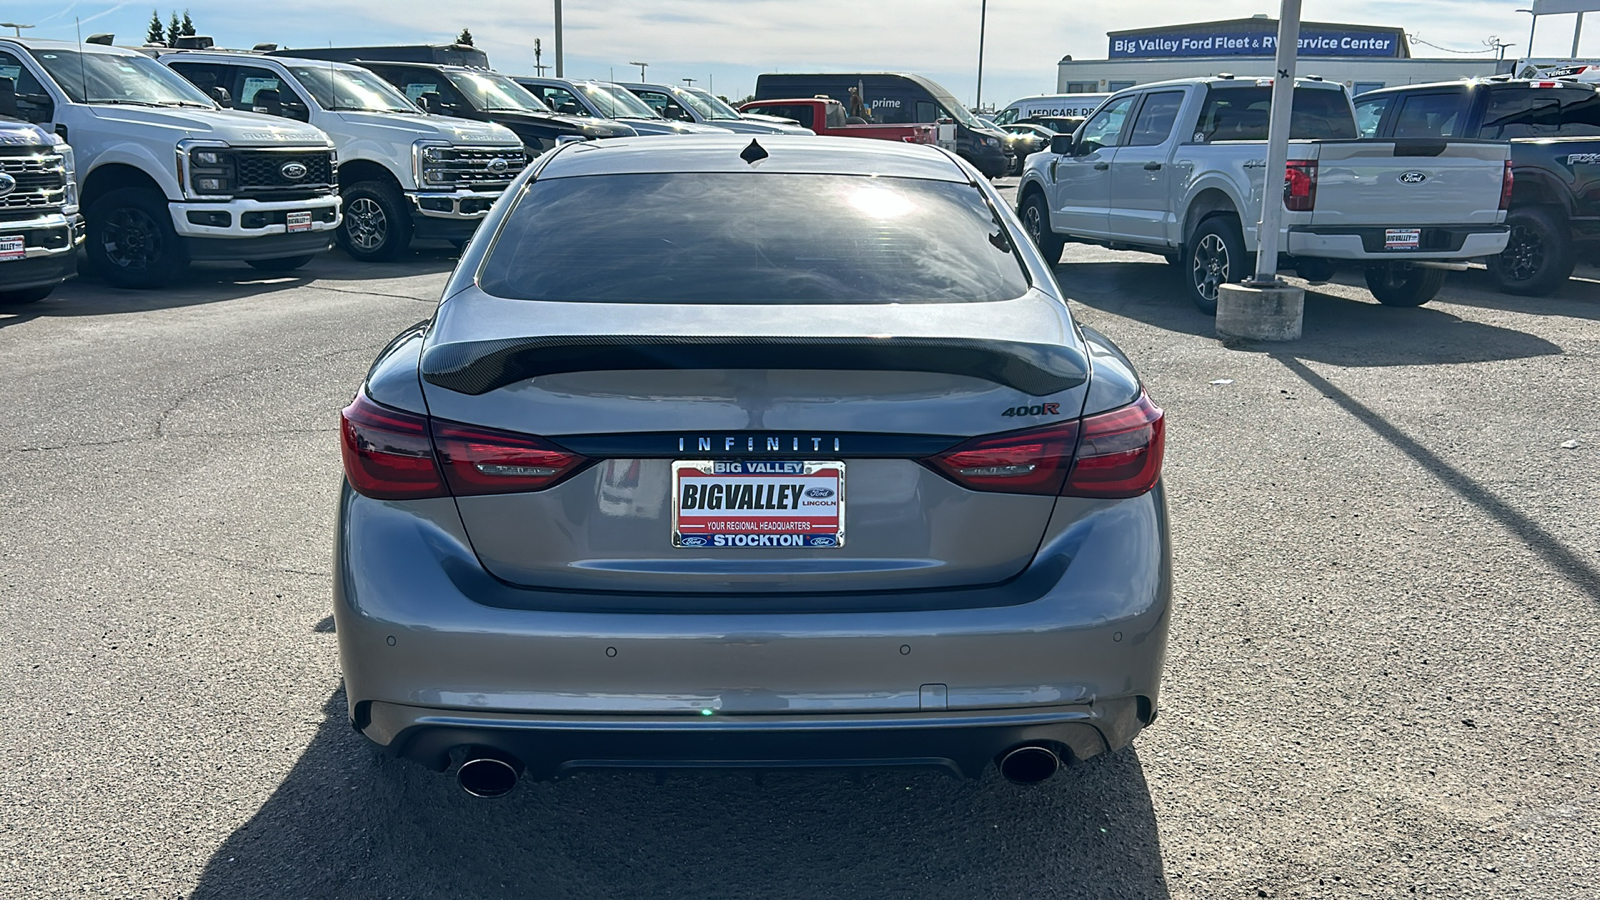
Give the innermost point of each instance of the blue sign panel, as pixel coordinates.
(1241, 43)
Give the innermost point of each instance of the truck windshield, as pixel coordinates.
(731, 238)
(617, 103)
(495, 93)
(707, 104)
(341, 89)
(116, 78)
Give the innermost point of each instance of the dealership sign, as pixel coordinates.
(1312, 43)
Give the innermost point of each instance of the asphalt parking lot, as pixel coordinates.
(1383, 679)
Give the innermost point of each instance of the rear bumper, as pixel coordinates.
(428, 667)
(1367, 243)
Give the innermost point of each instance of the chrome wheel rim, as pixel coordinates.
(366, 224)
(131, 239)
(1210, 268)
(1030, 221)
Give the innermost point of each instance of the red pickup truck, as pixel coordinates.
(826, 116)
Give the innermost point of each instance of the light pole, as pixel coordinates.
(14, 27)
(642, 67)
(689, 81)
(1531, 26)
(560, 72)
(983, 19)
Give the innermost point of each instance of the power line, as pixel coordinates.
(1417, 40)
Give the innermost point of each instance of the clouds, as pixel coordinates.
(733, 40)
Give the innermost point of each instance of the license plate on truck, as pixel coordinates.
(299, 221)
(757, 503)
(1402, 238)
(13, 247)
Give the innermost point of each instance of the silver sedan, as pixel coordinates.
(769, 452)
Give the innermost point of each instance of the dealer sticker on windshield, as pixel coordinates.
(755, 503)
(1402, 238)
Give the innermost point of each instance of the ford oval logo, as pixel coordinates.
(294, 171)
(822, 542)
(692, 541)
(498, 166)
(1413, 178)
(820, 493)
(7, 184)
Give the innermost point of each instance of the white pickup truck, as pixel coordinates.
(1177, 168)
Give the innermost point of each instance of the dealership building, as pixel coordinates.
(1363, 57)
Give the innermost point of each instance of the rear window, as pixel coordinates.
(1242, 113)
(1541, 112)
(750, 237)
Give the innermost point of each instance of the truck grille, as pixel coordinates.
(261, 175)
(39, 182)
(476, 168)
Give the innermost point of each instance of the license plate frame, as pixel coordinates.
(1402, 238)
(812, 515)
(296, 222)
(13, 246)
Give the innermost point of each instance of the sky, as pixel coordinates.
(727, 43)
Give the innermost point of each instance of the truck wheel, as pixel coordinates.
(1036, 221)
(132, 242)
(1216, 257)
(281, 264)
(1398, 284)
(26, 295)
(1540, 256)
(377, 226)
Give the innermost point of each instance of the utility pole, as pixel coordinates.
(983, 19)
(642, 67)
(538, 53)
(560, 72)
(14, 27)
(1577, 32)
(689, 81)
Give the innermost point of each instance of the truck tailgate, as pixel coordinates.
(1409, 183)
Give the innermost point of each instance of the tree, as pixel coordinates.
(465, 37)
(187, 28)
(174, 28)
(156, 33)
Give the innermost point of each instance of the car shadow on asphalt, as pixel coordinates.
(1337, 330)
(348, 821)
(89, 295)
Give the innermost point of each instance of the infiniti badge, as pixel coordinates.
(7, 184)
(1413, 178)
(294, 171)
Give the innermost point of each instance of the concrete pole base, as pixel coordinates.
(1260, 313)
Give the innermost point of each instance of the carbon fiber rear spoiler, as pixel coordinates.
(477, 367)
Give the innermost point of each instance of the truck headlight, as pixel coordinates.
(208, 168)
(429, 162)
(69, 165)
(991, 142)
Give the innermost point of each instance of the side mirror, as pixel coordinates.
(1062, 145)
(220, 94)
(431, 102)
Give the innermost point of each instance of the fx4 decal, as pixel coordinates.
(1042, 409)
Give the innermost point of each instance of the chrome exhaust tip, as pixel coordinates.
(1029, 764)
(487, 773)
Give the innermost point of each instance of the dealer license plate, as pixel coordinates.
(757, 503)
(299, 221)
(13, 247)
(1402, 238)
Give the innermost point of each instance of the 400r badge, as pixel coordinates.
(1038, 409)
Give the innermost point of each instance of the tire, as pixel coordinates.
(1540, 256)
(377, 225)
(1036, 222)
(281, 264)
(1314, 269)
(1403, 285)
(132, 242)
(25, 295)
(1214, 256)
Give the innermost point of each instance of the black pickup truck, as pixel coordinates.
(1554, 129)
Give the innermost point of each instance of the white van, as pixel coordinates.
(1054, 105)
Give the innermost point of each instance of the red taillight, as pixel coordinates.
(1300, 185)
(1021, 462)
(387, 454)
(1506, 181)
(390, 454)
(1113, 454)
(1120, 453)
(485, 461)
